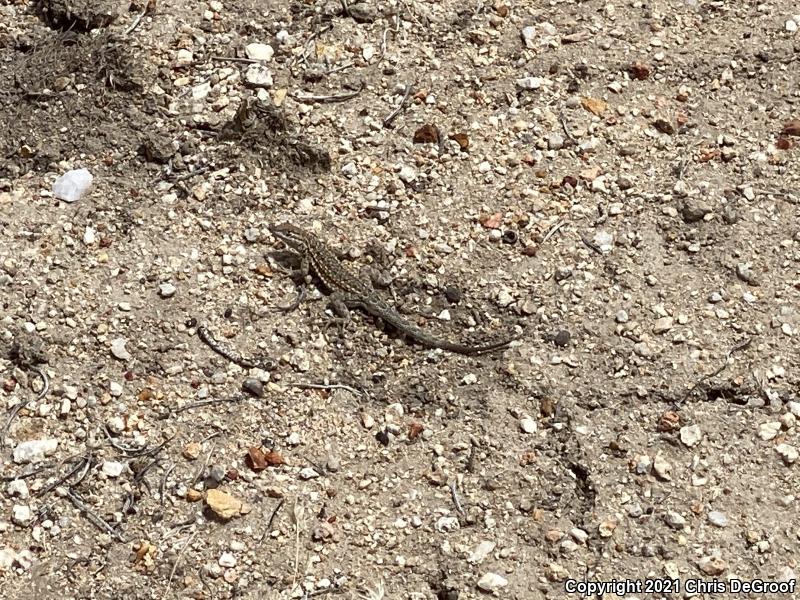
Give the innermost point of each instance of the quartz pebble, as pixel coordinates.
(34, 451)
(491, 582)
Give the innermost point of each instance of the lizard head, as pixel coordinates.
(289, 234)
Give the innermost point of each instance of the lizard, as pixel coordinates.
(349, 291)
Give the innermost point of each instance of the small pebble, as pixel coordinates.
(119, 351)
(717, 518)
(113, 468)
(491, 582)
(691, 435)
(257, 51)
(227, 560)
(788, 453)
(34, 451)
(166, 290)
(674, 520)
(21, 514)
(528, 425)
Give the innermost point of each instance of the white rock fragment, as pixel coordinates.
(166, 290)
(718, 519)
(112, 468)
(227, 560)
(184, 58)
(790, 25)
(528, 424)
(350, 169)
(258, 76)
(258, 51)
(7, 559)
(89, 236)
(119, 351)
(445, 524)
(72, 185)
(788, 453)
(408, 174)
(530, 83)
(115, 389)
(309, 473)
(491, 582)
(482, 550)
(691, 435)
(18, 487)
(768, 431)
(21, 514)
(116, 425)
(34, 451)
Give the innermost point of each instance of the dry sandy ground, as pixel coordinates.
(615, 184)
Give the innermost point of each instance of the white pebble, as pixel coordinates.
(21, 514)
(34, 451)
(227, 560)
(113, 468)
(528, 425)
(490, 582)
(257, 51)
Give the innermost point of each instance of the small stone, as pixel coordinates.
(184, 58)
(662, 325)
(744, 271)
(113, 468)
(223, 504)
(350, 169)
(604, 241)
(674, 520)
(712, 565)
(192, 450)
(555, 141)
(717, 518)
(89, 236)
(7, 559)
(621, 317)
(491, 582)
(257, 51)
(367, 421)
(116, 425)
(18, 487)
(34, 451)
(258, 76)
(115, 389)
(788, 453)
(528, 34)
(785, 575)
(446, 524)
(607, 527)
(308, 473)
(254, 387)
(642, 464)
(408, 174)
(528, 425)
(201, 91)
(691, 435)
(119, 351)
(530, 83)
(579, 535)
(662, 468)
(21, 514)
(294, 439)
(482, 550)
(770, 430)
(227, 560)
(790, 25)
(166, 290)
(694, 210)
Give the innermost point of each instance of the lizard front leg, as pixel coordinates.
(301, 278)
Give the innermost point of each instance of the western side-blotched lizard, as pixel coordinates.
(349, 291)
